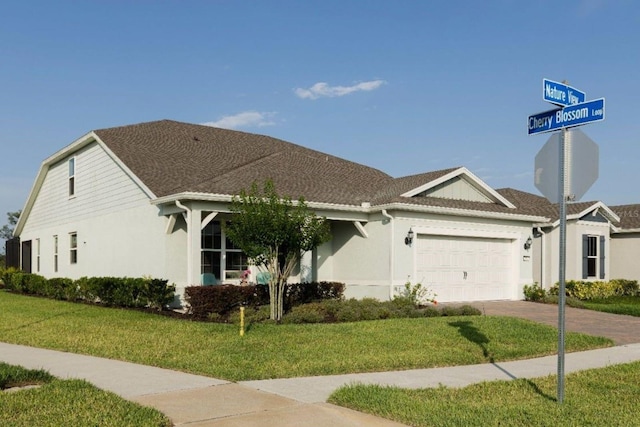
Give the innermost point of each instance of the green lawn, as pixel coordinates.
(66, 403)
(600, 397)
(617, 305)
(276, 351)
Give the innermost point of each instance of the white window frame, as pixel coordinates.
(593, 247)
(38, 255)
(55, 253)
(72, 177)
(73, 248)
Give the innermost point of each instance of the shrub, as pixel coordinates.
(205, 300)
(157, 293)
(251, 315)
(534, 292)
(306, 313)
(584, 290)
(63, 289)
(417, 294)
(462, 310)
(626, 287)
(303, 293)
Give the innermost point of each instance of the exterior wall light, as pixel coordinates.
(409, 238)
(527, 244)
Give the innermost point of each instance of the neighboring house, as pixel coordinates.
(149, 199)
(625, 243)
(588, 240)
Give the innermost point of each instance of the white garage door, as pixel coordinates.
(465, 268)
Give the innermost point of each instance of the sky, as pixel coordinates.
(402, 86)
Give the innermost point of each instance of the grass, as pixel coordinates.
(276, 351)
(66, 402)
(618, 305)
(599, 397)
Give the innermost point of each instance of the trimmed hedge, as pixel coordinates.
(208, 302)
(111, 291)
(583, 290)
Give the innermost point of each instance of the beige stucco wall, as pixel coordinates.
(625, 256)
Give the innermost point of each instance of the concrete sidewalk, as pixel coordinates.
(201, 401)
(318, 389)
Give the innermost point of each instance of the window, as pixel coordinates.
(219, 256)
(55, 254)
(73, 245)
(592, 256)
(72, 177)
(38, 255)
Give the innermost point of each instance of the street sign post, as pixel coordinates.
(561, 94)
(574, 111)
(572, 115)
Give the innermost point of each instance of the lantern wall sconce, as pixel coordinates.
(527, 244)
(409, 239)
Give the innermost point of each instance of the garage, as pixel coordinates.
(461, 268)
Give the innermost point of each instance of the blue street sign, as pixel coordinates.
(561, 94)
(573, 115)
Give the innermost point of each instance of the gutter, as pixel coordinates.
(392, 252)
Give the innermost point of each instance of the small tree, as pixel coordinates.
(274, 233)
(6, 233)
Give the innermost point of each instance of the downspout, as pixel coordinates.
(189, 249)
(392, 253)
(542, 263)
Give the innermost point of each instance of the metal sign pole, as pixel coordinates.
(563, 252)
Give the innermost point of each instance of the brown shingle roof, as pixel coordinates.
(172, 157)
(538, 205)
(629, 215)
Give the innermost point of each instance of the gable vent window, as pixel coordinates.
(72, 177)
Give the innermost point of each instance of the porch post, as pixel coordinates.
(194, 246)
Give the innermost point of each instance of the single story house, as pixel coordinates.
(150, 198)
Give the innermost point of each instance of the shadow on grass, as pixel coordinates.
(473, 334)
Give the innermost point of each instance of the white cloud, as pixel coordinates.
(244, 119)
(322, 89)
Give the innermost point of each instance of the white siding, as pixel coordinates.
(119, 232)
(459, 189)
(101, 187)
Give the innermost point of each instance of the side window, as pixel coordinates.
(592, 256)
(73, 248)
(38, 255)
(55, 254)
(72, 177)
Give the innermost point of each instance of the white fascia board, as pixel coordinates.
(475, 181)
(331, 211)
(604, 209)
(617, 230)
(462, 212)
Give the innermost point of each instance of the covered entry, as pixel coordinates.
(461, 268)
